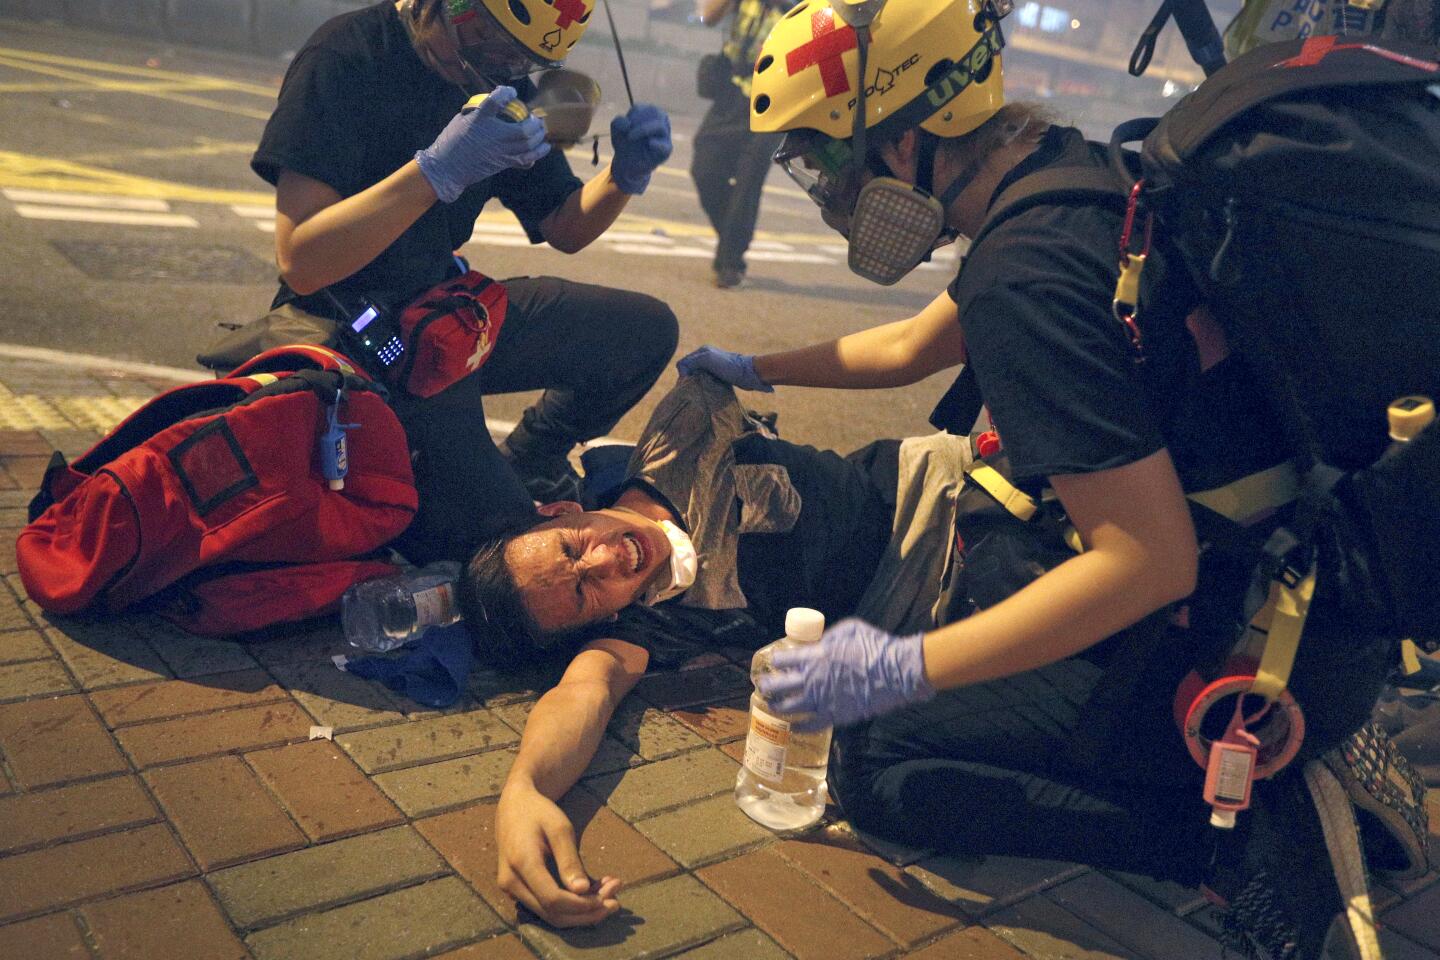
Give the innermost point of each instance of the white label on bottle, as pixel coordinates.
(1233, 777)
(766, 744)
(436, 605)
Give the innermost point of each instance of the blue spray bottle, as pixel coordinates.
(334, 454)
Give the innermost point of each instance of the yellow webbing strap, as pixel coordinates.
(1287, 608)
(263, 379)
(1409, 657)
(340, 361)
(1253, 494)
(1009, 496)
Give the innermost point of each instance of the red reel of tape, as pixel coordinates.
(1202, 711)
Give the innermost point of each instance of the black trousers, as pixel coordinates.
(827, 559)
(1080, 760)
(729, 168)
(595, 351)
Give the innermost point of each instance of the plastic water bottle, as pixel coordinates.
(380, 615)
(782, 783)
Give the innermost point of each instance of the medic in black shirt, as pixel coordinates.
(1015, 731)
(379, 178)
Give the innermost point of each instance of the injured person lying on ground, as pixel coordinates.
(718, 527)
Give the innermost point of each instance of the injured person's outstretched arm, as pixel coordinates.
(532, 832)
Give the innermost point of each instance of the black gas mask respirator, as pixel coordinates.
(892, 226)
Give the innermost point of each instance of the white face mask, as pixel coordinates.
(684, 563)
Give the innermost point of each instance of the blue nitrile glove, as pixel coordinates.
(855, 672)
(736, 369)
(641, 140)
(479, 144)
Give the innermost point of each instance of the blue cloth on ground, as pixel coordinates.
(431, 670)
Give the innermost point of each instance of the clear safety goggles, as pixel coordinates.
(823, 167)
(487, 49)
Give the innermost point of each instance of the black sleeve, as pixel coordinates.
(536, 193)
(1055, 367)
(674, 635)
(317, 128)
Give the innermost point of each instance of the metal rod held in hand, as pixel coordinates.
(615, 35)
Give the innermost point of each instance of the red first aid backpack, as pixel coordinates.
(209, 506)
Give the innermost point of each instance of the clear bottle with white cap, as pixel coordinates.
(381, 615)
(782, 782)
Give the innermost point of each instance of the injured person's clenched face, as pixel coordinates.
(584, 567)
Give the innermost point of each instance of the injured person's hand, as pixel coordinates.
(855, 672)
(532, 833)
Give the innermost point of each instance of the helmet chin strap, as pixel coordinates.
(971, 170)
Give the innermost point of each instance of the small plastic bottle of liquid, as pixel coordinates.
(1408, 416)
(380, 615)
(782, 783)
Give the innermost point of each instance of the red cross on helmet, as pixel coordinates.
(938, 58)
(541, 31)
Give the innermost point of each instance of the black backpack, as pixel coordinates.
(1301, 186)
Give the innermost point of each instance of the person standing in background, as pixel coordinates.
(731, 162)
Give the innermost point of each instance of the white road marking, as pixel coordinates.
(500, 229)
(89, 361)
(775, 256)
(101, 365)
(660, 251)
(126, 217)
(500, 240)
(635, 236)
(769, 245)
(93, 201)
(261, 215)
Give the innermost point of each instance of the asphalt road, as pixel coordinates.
(132, 225)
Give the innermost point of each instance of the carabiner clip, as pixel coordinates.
(1126, 305)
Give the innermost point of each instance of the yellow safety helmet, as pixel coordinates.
(542, 30)
(933, 64)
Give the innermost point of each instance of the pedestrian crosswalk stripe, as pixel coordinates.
(653, 251)
(632, 236)
(59, 199)
(511, 229)
(501, 240)
(126, 217)
(776, 256)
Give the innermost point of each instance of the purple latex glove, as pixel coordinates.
(856, 671)
(736, 369)
(476, 145)
(641, 140)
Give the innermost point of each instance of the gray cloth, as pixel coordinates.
(904, 595)
(685, 454)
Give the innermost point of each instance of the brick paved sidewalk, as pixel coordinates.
(161, 797)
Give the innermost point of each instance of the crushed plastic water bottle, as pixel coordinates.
(381, 615)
